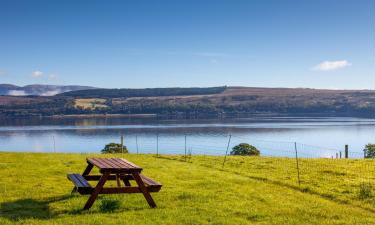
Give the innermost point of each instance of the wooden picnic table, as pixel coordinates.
(118, 169)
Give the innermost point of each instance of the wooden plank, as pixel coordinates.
(117, 163)
(96, 163)
(123, 190)
(149, 181)
(129, 163)
(122, 163)
(114, 165)
(93, 162)
(110, 163)
(81, 185)
(120, 170)
(78, 180)
(111, 177)
(102, 161)
(117, 190)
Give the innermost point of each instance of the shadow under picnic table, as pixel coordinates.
(29, 208)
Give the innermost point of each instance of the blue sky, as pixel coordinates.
(133, 44)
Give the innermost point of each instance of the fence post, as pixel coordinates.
(157, 144)
(295, 148)
(225, 157)
(346, 151)
(122, 144)
(340, 154)
(54, 144)
(136, 142)
(185, 147)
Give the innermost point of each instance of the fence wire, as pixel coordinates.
(315, 169)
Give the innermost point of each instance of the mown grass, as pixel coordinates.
(261, 190)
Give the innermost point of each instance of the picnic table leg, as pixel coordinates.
(118, 180)
(85, 172)
(126, 182)
(88, 169)
(144, 190)
(96, 191)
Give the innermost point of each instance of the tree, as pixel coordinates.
(245, 149)
(369, 151)
(114, 148)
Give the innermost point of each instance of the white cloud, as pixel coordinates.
(16, 93)
(37, 74)
(52, 77)
(51, 93)
(332, 65)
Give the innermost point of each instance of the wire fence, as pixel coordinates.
(338, 174)
(341, 174)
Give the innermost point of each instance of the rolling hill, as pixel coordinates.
(194, 102)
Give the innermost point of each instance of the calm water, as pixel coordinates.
(315, 137)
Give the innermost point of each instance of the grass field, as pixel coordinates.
(248, 190)
(90, 103)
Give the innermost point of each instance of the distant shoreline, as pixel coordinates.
(103, 115)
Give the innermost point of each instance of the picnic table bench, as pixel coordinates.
(113, 169)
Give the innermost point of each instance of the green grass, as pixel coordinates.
(248, 190)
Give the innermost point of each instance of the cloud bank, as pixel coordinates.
(37, 74)
(332, 65)
(16, 93)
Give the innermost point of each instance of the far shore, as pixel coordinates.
(104, 115)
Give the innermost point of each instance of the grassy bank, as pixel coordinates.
(34, 190)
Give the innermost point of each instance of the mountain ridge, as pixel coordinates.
(194, 102)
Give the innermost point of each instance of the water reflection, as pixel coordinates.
(273, 135)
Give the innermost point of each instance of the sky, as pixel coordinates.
(138, 44)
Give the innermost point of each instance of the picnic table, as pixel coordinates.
(118, 169)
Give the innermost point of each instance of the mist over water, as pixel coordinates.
(274, 136)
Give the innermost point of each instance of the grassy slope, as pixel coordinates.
(35, 191)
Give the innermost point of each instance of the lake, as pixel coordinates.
(273, 136)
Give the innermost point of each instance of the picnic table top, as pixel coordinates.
(114, 165)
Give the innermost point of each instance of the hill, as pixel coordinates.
(146, 92)
(38, 89)
(192, 102)
(260, 190)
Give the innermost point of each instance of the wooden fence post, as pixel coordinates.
(226, 153)
(136, 142)
(122, 143)
(157, 145)
(346, 151)
(297, 164)
(185, 148)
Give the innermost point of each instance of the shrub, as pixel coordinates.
(369, 151)
(109, 205)
(245, 149)
(365, 191)
(114, 148)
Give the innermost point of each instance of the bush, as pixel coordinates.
(369, 151)
(245, 149)
(109, 205)
(114, 148)
(365, 191)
